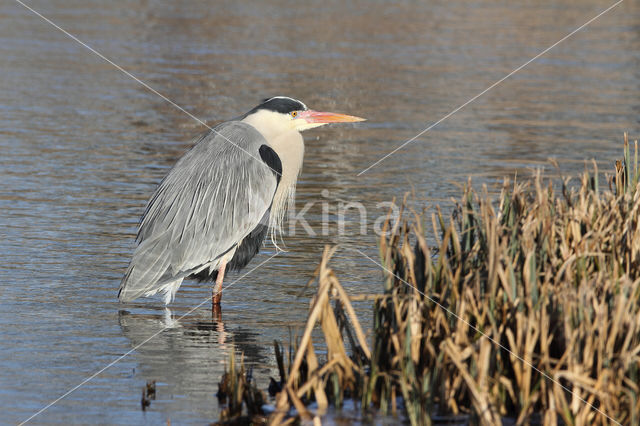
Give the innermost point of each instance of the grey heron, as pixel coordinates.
(214, 208)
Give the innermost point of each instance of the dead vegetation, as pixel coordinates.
(528, 308)
(237, 390)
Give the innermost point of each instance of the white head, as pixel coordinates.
(280, 114)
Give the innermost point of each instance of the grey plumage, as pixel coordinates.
(213, 197)
(213, 210)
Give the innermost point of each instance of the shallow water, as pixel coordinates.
(83, 146)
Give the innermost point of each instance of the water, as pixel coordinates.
(83, 146)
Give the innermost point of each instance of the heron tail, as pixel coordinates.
(148, 273)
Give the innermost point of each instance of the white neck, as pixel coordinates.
(288, 144)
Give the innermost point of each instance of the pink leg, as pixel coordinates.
(216, 297)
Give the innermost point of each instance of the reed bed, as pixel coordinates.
(527, 308)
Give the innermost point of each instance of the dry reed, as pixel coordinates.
(235, 391)
(529, 309)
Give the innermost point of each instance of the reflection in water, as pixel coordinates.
(188, 355)
(188, 333)
(83, 147)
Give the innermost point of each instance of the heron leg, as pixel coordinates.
(216, 297)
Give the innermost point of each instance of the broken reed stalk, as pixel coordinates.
(554, 279)
(337, 378)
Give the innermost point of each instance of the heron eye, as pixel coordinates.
(294, 114)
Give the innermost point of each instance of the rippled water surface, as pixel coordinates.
(82, 147)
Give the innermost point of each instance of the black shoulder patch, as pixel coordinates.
(272, 160)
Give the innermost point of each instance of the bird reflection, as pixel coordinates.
(181, 342)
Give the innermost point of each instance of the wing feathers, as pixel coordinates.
(212, 198)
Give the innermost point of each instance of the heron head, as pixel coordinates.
(282, 114)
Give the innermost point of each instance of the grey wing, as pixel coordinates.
(212, 198)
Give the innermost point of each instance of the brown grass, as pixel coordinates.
(529, 308)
